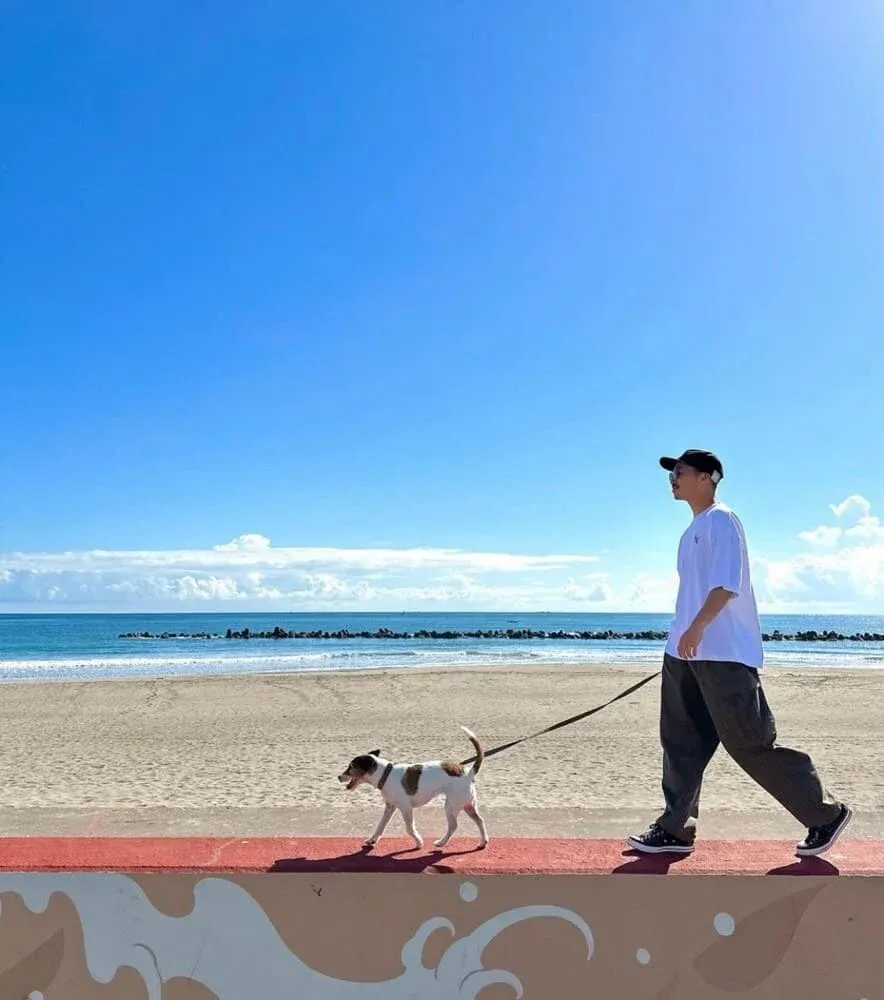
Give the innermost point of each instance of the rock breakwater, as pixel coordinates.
(517, 634)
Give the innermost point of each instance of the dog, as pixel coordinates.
(408, 786)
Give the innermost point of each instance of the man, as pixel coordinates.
(711, 691)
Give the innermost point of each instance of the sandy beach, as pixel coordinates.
(259, 755)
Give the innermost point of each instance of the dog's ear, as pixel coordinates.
(375, 753)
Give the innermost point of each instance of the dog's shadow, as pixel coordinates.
(367, 859)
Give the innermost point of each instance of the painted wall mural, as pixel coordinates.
(405, 937)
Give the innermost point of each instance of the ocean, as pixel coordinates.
(88, 647)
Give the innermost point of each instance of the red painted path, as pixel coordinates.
(505, 855)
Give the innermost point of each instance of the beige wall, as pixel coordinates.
(392, 937)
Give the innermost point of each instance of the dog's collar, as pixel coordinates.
(385, 775)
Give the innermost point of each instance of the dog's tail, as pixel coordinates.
(477, 746)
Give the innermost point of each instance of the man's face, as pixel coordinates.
(687, 482)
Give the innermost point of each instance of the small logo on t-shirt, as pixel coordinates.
(696, 539)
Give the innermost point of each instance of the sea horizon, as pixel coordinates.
(88, 645)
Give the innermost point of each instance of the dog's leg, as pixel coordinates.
(451, 811)
(408, 818)
(382, 825)
(472, 811)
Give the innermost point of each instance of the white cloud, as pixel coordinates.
(258, 552)
(855, 508)
(649, 592)
(853, 504)
(843, 571)
(245, 543)
(841, 578)
(823, 535)
(250, 572)
(593, 589)
(850, 576)
(867, 527)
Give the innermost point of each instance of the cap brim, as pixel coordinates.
(668, 463)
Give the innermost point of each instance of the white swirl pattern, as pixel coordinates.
(229, 945)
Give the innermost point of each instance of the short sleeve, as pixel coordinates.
(727, 567)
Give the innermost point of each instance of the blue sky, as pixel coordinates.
(349, 281)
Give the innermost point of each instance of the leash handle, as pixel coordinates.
(565, 722)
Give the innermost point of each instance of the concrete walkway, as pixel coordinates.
(505, 855)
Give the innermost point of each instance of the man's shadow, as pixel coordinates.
(366, 859)
(659, 864)
(648, 864)
(806, 866)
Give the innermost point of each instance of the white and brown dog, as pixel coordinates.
(408, 786)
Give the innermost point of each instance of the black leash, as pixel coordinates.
(566, 722)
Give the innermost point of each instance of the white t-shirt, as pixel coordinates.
(712, 553)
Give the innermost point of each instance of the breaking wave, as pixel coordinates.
(118, 667)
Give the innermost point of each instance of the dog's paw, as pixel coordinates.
(441, 842)
(371, 842)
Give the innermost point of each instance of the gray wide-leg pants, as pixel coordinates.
(707, 702)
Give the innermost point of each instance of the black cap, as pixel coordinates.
(702, 461)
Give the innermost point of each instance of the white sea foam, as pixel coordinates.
(111, 667)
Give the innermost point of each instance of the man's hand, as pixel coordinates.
(689, 641)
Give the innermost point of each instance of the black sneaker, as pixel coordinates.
(820, 838)
(658, 841)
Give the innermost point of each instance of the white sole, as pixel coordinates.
(806, 852)
(636, 846)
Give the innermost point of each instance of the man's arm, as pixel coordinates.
(715, 602)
